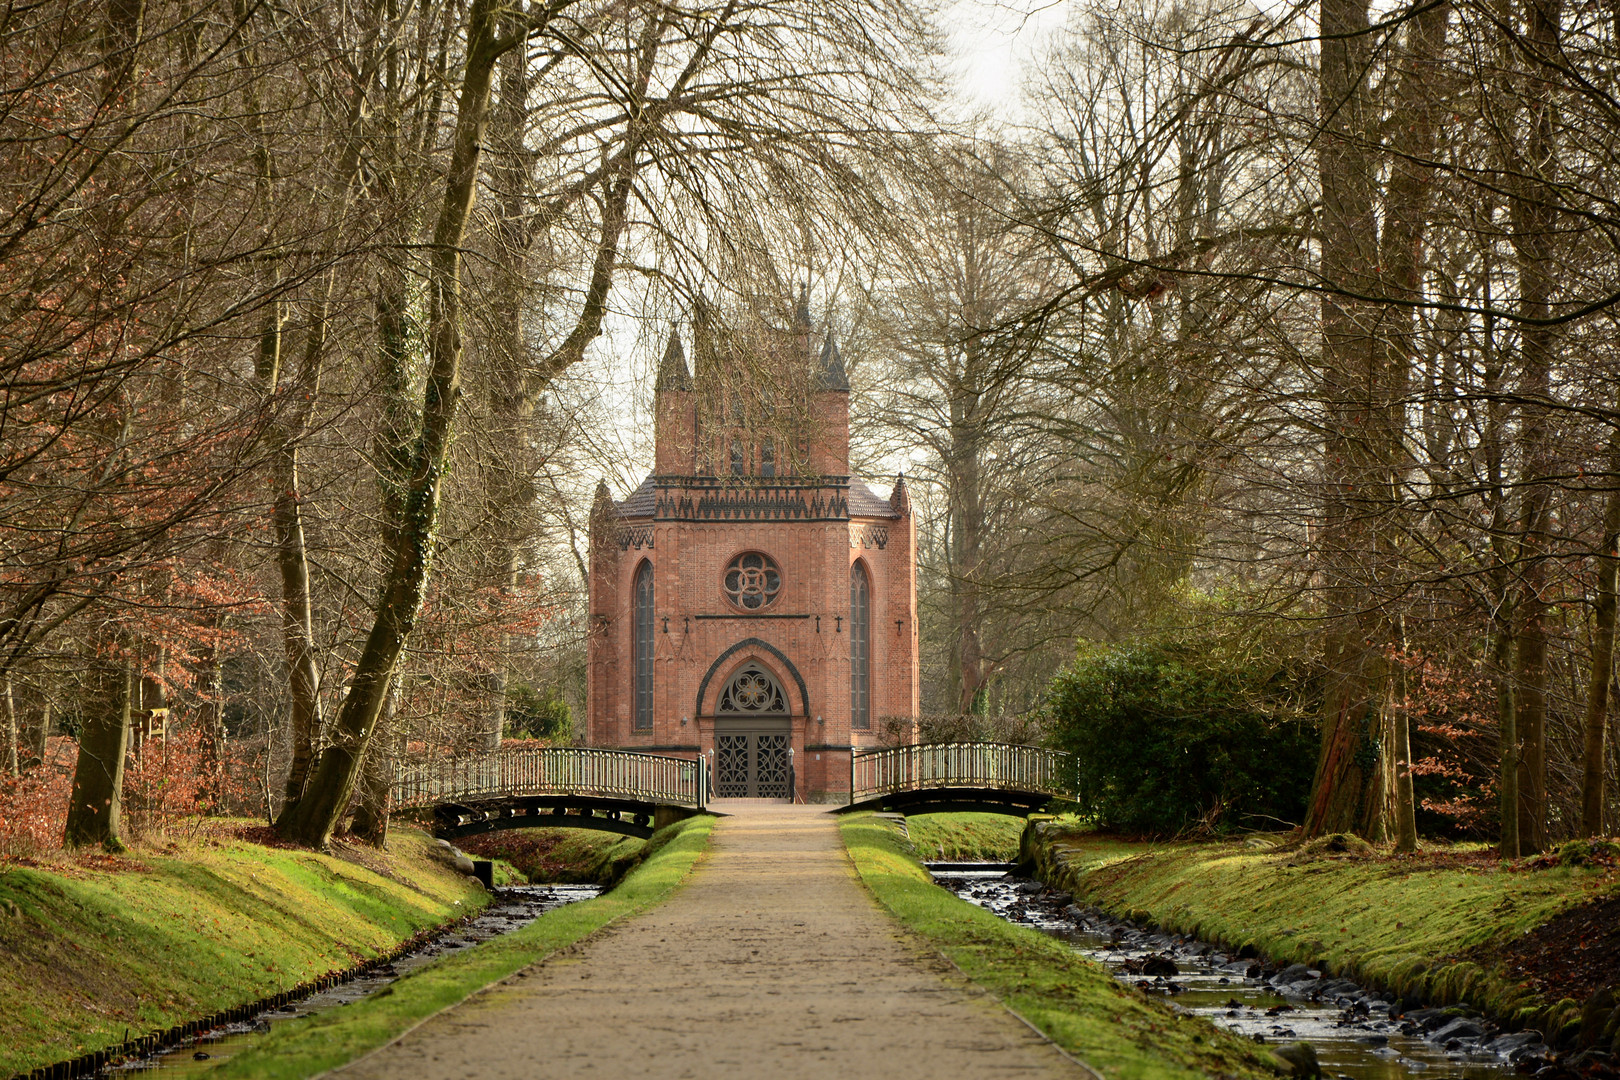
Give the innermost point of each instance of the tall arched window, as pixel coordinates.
(642, 633)
(736, 457)
(767, 458)
(860, 648)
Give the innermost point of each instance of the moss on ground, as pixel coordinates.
(965, 837)
(560, 855)
(106, 949)
(1401, 924)
(334, 1038)
(1075, 1002)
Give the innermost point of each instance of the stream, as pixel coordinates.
(1352, 1029)
(513, 908)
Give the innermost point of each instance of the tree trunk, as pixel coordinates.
(12, 761)
(297, 614)
(370, 823)
(292, 561)
(1530, 679)
(312, 818)
(1507, 711)
(1349, 790)
(211, 725)
(1533, 228)
(1407, 199)
(96, 804)
(38, 729)
(1500, 661)
(1595, 753)
(508, 488)
(1406, 839)
(967, 536)
(96, 810)
(1405, 803)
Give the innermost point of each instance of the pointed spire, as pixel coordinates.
(899, 498)
(830, 374)
(601, 508)
(672, 373)
(801, 310)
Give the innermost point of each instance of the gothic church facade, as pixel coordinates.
(751, 602)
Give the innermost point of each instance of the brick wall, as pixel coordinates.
(701, 638)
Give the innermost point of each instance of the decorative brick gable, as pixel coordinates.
(694, 517)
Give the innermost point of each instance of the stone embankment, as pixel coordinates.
(1451, 946)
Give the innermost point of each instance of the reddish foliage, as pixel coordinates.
(172, 781)
(33, 806)
(1452, 712)
(168, 783)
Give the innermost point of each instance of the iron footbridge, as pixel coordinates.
(561, 787)
(997, 778)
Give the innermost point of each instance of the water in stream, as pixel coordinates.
(514, 907)
(1351, 1029)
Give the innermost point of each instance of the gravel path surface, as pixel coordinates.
(772, 962)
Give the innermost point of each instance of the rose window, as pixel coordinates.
(752, 581)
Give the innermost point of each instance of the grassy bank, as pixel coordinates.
(99, 949)
(1428, 928)
(965, 837)
(344, 1034)
(1075, 1002)
(572, 856)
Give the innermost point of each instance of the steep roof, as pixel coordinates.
(672, 373)
(864, 502)
(830, 374)
(900, 498)
(640, 502)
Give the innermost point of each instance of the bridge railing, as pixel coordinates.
(553, 770)
(997, 766)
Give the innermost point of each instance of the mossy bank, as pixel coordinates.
(964, 837)
(577, 856)
(106, 949)
(334, 1038)
(1075, 1002)
(1431, 929)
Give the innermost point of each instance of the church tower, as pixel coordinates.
(751, 602)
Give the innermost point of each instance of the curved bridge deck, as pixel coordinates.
(1000, 778)
(634, 794)
(553, 787)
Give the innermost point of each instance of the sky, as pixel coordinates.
(992, 41)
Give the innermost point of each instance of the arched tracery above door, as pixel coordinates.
(752, 691)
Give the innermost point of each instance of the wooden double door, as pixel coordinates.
(752, 759)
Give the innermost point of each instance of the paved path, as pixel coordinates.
(772, 962)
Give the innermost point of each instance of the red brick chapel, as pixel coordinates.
(752, 602)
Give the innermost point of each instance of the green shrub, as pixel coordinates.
(532, 714)
(1168, 737)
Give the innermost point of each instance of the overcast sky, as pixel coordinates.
(992, 41)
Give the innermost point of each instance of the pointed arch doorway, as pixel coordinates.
(752, 759)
